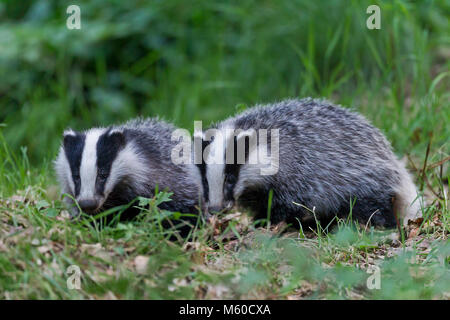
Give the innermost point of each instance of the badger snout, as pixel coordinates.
(89, 205)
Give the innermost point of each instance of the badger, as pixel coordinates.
(101, 168)
(330, 162)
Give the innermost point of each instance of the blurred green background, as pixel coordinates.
(205, 59)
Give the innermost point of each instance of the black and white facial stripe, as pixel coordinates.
(201, 164)
(219, 175)
(73, 149)
(90, 156)
(108, 147)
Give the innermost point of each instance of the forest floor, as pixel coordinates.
(43, 251)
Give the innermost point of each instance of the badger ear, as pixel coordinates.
(244, 141)
(250, 133)
(245, 138)
(70, 137)
(117, 137)
(199, 136)
(69, 132)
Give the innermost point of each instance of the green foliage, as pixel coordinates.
(198, 60)
(14, 170)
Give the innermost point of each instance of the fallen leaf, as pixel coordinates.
(140, 264)
(3, 247)
(96, 250)
(44, 249)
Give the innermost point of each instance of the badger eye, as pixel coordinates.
(230, 181)
(102, 175)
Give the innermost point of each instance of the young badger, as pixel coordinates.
(105, 167)
(328, 157)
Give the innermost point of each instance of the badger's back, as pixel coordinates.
(328, 157)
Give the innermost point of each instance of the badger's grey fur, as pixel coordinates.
(105, 167)
(328, 156)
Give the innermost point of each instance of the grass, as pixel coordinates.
(204, 62)
(227, 257)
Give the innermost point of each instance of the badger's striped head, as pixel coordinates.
(91, 163)
(223, 152)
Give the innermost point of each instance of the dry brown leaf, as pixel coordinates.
(140, 264)
(217, 291)
(413, 227)
(96, 250)
(3, 247)
(199, 251)
(44, 249)
(63, 216)
(109, 296)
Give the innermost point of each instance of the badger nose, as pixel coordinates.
(88, 205)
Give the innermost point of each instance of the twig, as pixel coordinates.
(439, 163)
(433, 165)
(424, 178)
(425, 163)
